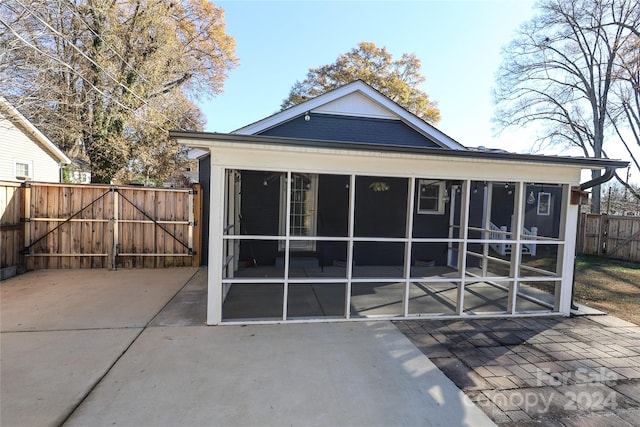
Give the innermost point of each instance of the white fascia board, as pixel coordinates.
(374, 163)
(15, 116)
(366, 90)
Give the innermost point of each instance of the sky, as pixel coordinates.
(458, 42)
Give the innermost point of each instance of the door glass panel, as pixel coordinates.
(302, 215)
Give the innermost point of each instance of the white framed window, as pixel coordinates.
(23, 169)
(430, 197)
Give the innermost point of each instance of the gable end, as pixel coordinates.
(331, 127)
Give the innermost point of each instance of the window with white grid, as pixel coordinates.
(23, 169)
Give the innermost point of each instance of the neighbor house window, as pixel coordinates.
(430, 197)
(24, 169)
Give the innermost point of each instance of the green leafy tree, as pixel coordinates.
(562, 69)
(397, 79)
(110, 78)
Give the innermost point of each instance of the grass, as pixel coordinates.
(609, 285)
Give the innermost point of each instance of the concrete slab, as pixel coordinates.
(274, 375)
(584, 310)
(86, 299)
(322, 300)
(45, 375)
(189, 306)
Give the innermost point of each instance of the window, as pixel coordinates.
(430, 197)
(23, 169)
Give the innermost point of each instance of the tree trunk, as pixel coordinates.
(596, 193)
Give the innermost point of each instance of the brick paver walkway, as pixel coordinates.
(580, 371)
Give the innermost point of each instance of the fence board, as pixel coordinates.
(137, 228)
(168, 241)
(149, 229)
(52, 239)
(65, 231)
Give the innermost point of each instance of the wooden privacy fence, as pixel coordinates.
(100, 226)
(610, 236)
(11, 229)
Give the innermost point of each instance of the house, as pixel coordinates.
(27, 155)
(349, 207)
(78, 172)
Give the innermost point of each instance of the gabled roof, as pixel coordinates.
(382, 106)
(13, 115)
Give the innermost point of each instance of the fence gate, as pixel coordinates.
(101, 226)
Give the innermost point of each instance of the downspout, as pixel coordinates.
(609, 172)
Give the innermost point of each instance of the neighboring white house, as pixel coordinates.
(25, 153)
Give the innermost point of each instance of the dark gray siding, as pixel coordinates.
(377, 214)
(352, 129)
(260, 208)
(548, 225)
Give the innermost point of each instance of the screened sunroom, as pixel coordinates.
(307, 230)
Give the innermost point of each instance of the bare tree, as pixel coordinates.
(617, 200)
(560, 71)
(114, 76)
(625, 117)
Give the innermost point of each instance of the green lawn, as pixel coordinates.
(605, 284)
(609, 285)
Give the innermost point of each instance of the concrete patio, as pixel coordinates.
(87, 347)
(372, 298)
(129, 347)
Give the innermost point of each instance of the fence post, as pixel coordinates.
(602, 231)
(197, 224)
(26, 215)
(191, 220)
(116, 235)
